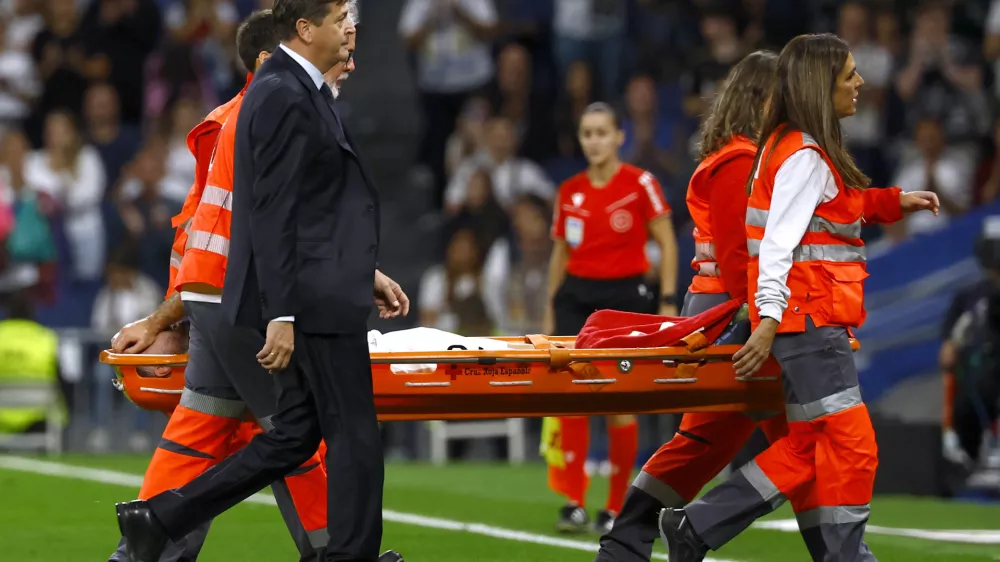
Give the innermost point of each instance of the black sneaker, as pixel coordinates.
(604, 521)
(683, 544)
(572, 519)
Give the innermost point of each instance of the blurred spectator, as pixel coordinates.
(146, 211)
(29, 354)
(865, 130)
(592, 31)
(991, 43)
(938, 168)
(24, 20)
(450, 40)
(711, 63)
(516, 271)
(18, 86)
(115, 141)
(184, 116)
(208, 29)
(27, 249)
(469, 138)
(120, 35)
(887, 33)
(649, 134)
(942, 77)
(516, 98)
(578, 94)
(511, 174)
(71, 172)
(481, 213)
(451, 294)
(60, 55)
(127, 296)
(991, 186)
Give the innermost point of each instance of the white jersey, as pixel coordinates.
(425, 340)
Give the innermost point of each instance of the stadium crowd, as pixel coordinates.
(97, 96)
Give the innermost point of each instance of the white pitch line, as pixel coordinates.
(61, 470)
(957, 536)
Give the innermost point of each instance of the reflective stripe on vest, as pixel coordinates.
(818, 252)
(217, 196)
(209, 242)
(758, 217)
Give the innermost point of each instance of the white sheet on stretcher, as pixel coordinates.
(424, 340)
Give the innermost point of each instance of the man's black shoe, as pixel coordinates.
(145, 537)
(683, 544)
(390, 556)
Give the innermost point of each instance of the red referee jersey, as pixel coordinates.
(606, 227)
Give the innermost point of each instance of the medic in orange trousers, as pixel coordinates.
(717, 202)
(209, 423)
(603, 219)
(807, 204)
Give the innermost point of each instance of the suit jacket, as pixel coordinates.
(305, 230)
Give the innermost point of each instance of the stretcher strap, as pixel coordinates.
(559, 357)
(695, 341)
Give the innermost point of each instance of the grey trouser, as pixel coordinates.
(825, 466)
(223, 379)
(635, 530)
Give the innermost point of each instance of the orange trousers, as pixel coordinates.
(194, 441)
(826, 464)
(704, 445)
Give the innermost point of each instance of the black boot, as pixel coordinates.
(683, 543)
(145, 537)
(390, 556)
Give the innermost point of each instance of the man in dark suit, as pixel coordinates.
(302, 268)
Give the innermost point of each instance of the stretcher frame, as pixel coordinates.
(540, 376)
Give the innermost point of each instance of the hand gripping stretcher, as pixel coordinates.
(612, 367)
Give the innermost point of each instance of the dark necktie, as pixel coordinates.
(331, 101)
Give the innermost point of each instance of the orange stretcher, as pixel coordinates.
(540, 376)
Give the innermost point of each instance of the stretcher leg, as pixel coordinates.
(828, 458)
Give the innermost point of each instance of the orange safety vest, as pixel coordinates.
(202, 141)
(707, 279)
(827, 276)
(207, 250)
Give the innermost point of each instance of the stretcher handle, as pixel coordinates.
(143, 359)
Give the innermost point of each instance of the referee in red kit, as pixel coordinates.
(603, 218)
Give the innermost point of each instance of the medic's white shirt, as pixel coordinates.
(803, 182)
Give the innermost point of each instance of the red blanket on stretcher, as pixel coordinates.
(615, 329)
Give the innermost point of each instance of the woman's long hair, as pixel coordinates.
(802, 99)
(738, 108)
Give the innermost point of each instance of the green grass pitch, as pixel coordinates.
(456, 513)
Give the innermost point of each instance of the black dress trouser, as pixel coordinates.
(325, 393)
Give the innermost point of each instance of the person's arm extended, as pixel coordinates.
(557, 274)
(138, 336)
(727, 203)
(662, 230)
(280, 147)
(798, 190)
(882, 205)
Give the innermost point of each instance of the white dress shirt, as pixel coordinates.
(803, 182)
(317, 78)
